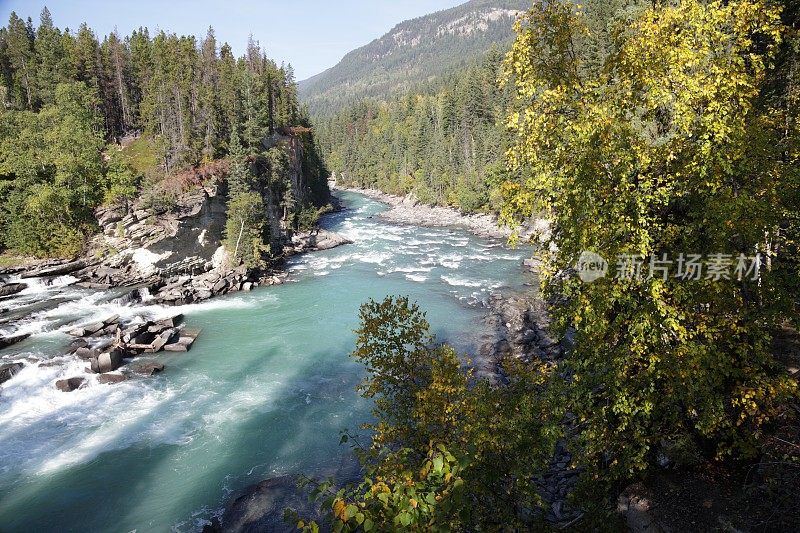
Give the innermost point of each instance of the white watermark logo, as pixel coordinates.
(591, 267)
(687, 267)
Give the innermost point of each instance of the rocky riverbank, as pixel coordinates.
(518, 326)
(408, 210)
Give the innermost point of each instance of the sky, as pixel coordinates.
(311, 35)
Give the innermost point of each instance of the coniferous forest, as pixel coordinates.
(69, 100)
(443, 141)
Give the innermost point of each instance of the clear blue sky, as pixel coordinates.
(311, 35)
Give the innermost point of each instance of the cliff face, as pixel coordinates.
(177, 250)
(147, 242)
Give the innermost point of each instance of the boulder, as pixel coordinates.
(144, 338)
(261, 506)
(171, 322)
(108, 379)
(8, 341)
(220, 285)
(131, 332)
(160, 341)
(183, 344)
(326, 240)
(12, 288)
(108, 362)
(155, 329)
(58, 270)
(80, 342)
(8, 370)
(88, 329)
(86, 353)
(148, 368)
(69, 385)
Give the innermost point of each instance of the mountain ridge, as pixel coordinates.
(413, 52)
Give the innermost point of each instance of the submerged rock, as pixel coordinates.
(70, 384)
(148, 368)
(261, 506)
(108, 379)
(8, 341)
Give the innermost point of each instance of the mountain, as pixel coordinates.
(414, 52)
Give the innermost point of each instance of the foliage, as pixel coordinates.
(658, 141)
(308, 218)
(446, 453)
(439, 142)
(245, 228)
(395, 345)
(53, 173)
(121, 176)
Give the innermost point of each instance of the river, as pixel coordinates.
(265, 390)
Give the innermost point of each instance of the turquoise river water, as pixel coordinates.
(265, 390)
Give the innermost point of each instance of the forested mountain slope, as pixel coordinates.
(415, 51)
(443, 142)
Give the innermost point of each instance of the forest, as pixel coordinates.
(442, 141)
(86, 122)
(640, 130)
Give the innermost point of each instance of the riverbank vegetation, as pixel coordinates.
(643, 131)
(85, 121)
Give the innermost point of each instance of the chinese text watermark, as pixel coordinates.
(689, 267)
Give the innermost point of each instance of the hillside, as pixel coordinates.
(413, 52)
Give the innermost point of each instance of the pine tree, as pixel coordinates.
(22, 60)
(51, 61)
(240, 177)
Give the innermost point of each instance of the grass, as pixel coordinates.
(11, 260)
(141, 155)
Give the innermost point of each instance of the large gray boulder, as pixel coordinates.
(108, 362)
(8, 370)
(328, 239)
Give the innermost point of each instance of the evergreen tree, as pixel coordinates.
(21, 58)
(51, 60)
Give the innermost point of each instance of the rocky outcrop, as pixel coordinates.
(108, 344)
(148, 244)
(518, 326)
(316, 240)
(182, 290)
